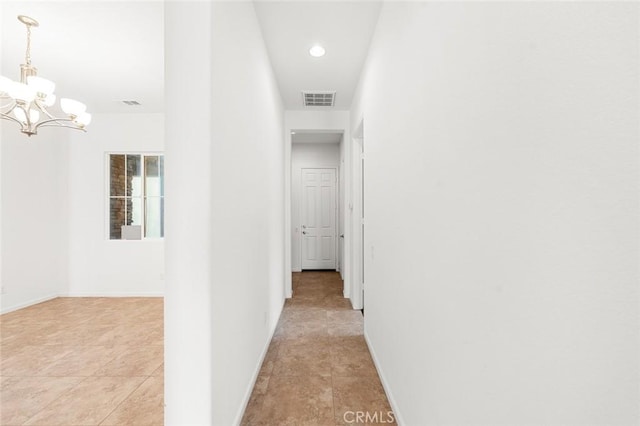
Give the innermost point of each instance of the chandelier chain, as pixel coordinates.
(28, 53)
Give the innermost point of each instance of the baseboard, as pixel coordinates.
(28, 303)
(296, 270)
(385, 384)
(247, 395)
(134, 294)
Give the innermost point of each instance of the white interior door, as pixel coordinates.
(318, 219)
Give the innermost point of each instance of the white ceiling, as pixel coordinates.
(344, 29)
(324, 137)
(103, 52)
(98, 52)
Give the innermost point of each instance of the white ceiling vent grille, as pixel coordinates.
(321, 99)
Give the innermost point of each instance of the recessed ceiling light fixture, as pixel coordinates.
(317, 51)
(29, 98)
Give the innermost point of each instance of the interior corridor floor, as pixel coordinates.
(99, 361)
(318, 369)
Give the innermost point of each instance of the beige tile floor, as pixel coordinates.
(318, 367)
(83, 361)
(99, 361)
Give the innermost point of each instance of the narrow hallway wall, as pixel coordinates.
(502, 193)
(224, 240)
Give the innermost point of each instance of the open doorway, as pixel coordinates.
(304, 129)
(317, 215)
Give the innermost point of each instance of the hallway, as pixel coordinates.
(474, 163)
(318, 370)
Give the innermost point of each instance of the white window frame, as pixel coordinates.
(107, 193)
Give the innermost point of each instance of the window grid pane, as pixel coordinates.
(134, 200)
(154, 220)
(117, 217)
(152, 177)
(134, 176)
(117, 175)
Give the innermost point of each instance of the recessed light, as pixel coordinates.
(317, 51)
(293, 133)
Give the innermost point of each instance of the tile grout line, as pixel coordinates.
(333, 397)
(125, 398)
(55, 399)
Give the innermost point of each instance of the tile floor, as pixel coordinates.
(83, 361)
(318, 370)
(99, 361)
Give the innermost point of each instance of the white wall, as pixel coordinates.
(99, 266)
(248, 234)
(307, 155)
(225, 209)
(33, 206)
(501, 143)
(33, 201)
(1, 136)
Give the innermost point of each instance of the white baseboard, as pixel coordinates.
(256, 372)
(385, 384)
(28, 303)
(54, 296)
(296, 270)
(134, 294)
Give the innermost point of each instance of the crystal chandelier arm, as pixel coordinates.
(82, 129)
(8, 117)
(52, 118)
(5, 114)
(43, 109)
(11, 104)
(58, 123)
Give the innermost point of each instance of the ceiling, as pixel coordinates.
(316, 137)
(344, 29)
(76, 47)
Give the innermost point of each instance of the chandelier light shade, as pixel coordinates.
(26, 102)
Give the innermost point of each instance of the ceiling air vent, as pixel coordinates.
(321, 99)
(131, 103)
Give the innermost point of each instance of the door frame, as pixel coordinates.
(336, 212)
(328, 122)
(357, 222)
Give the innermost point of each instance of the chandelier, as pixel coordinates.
(27, 101)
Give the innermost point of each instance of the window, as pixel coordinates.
(136, 196)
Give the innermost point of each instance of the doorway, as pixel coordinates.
(318, 218)
(320, 140)
(316, 207)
